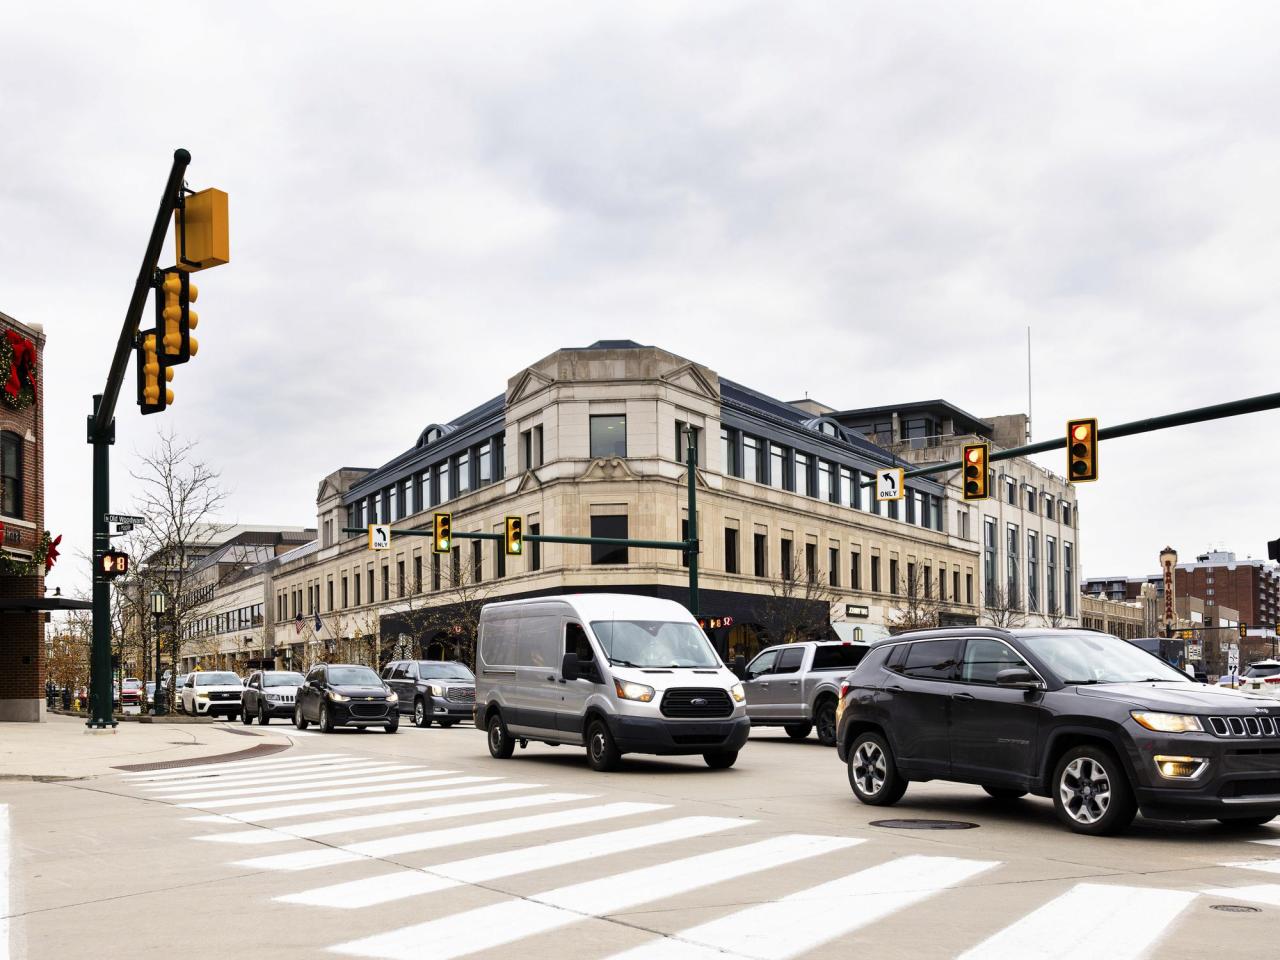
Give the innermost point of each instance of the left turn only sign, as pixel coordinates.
(379, 536)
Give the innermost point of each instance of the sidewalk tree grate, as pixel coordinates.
(261, 750)
(924, 824)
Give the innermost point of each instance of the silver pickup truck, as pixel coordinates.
(797, 686)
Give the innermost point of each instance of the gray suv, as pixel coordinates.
(1102, 727)
(432, 690)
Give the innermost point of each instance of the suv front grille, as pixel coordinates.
(461, 694)
(696, 703)
(1241, 727)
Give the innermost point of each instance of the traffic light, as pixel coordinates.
(175, 317)
(1082, 449)
(975, 470)
(201, 230)
(1244, 631)
(442, 542)
(515, 536)
(113, 564)
(154, 375)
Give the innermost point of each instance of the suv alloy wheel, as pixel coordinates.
(420, 716)
(299, 720)
(1091, 792)
(873, 775)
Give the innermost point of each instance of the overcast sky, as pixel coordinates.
(868, 203)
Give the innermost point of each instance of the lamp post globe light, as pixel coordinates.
(159, 604)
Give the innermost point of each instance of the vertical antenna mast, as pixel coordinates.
(1028, 383)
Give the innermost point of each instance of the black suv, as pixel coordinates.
(1099, 725)
(340, 695)
(439, 690)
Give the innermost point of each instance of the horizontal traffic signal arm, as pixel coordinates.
(1218, 411)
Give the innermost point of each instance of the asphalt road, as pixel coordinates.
(419, 844)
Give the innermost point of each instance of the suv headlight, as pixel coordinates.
(337, 697)
(392, 697)
(1168, 722)
(632, 691)
(738, 693)
(437, 690)
(202, 694)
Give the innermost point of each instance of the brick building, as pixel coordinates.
(1250, 586)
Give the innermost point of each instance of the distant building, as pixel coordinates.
(1250, 586)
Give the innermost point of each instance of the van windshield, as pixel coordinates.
(654, 643)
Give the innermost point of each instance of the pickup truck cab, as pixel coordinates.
(797, 686)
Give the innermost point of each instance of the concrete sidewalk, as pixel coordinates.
(61, 747)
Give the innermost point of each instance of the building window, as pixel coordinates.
(1033, 571)
(786, 558)
(531, 448)
(477, 561)
(803, 467)
(913, 585)
(500, 557)
(1012, 591)
(875, 574)
(417, 574)
(614, 527)
(682, 442)
(1066, 514)
(942, 585)
(751, 464)
(535, 548)
(824, 481)
(728, 451)
(730, 550)
(485, 464)
(329, 592)
(357, 583)
(760, 555)
(928, 582)
(1032, 497)
(811, 562)
(893, 509)
(1051, 571)
(893, 576)
(1048, 507)
(443, 493)
(855, 570)
(777, 467)
(1069, 587)
(1011, 490)
(609, 436)
(989, 559)
(386, 582)
(346, 599)
(968, 588)
(393, 502)
(435, 571)
(463, 472)
(833, 563)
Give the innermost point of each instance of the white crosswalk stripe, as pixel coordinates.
(1268, 893)
(1262, 866)
(809, 918)
(360, 777)
(1090, 919)
(493, 926)
(403, 884)
(392, 818)
(432, 839)
(270, 813)
(428, 778)
(237, 766)
(294, 775)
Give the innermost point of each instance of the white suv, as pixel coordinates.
(212, 693)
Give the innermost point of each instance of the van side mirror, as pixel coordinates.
(569, 666)
(740, 667)
(1019, 677)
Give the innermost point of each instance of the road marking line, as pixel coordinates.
(284, 776)
(1264, 866)
(402, 885)
(493, 926)
(5, 906)
(255, 791)
(320, 828)
(1268, 893)
(266, 814)
(1091, 919)
(428, 779)
(809, 918)
(449, 837)
(239, 766)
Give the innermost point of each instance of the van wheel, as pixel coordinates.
(798, 731)
(824, 719)
(602, 752)
(501, 746)
(720, 759)
(873, 775)
(420, 716)
(1091, 792)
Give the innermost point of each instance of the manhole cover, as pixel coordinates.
(924, 824)
(1234, 908)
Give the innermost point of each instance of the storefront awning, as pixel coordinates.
(31, 604)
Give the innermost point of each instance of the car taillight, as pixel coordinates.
(1275, 679)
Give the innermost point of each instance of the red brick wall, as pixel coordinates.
(22, 635)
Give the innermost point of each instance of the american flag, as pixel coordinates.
(297, 623)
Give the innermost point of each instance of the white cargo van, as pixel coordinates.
(617, 673)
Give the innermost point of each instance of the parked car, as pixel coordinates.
(438, 690)
(797, 686)
(339, 695)
(131, 693)
(269, 693)
(617, 673)
(1097, 724)
(1261, 677)
(212, 693)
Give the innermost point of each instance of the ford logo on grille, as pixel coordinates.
(699, 701)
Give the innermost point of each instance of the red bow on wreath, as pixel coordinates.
(23, 366)
(51, 556)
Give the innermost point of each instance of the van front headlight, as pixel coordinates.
(632, 691)
(738, 693)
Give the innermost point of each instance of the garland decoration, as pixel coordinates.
(17, 370)
(43, 557)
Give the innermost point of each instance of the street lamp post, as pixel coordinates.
(159, 603)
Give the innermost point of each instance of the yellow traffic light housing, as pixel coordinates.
(1082, 449)
(1244, 631)
(975, 458)
(154, 374)
(175, 317)
(442, 539)
(202, 232)
(515, 536)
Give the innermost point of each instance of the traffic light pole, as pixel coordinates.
(102, 434)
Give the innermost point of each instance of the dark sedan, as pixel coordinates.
(345, 695)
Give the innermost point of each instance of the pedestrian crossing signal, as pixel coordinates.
(442, 540)
(515, 536)
(975, 470)
(1082, 449)
(113, 564)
